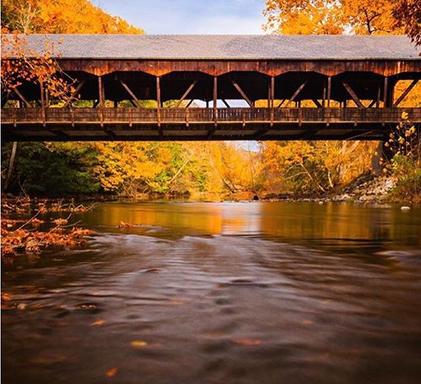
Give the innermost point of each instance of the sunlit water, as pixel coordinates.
(222, 293)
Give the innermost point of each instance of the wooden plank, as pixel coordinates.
(186, 93)
(16, 90)
(353, 95)
(225, 102)
(215, 99)
(189, 103)
(405, 92)
(296, 93)
(242, 93)
(100, 92)
(158, 104)
(317, 103)
(329, 90)
(272, 99)
(385, 86)
(134, 100)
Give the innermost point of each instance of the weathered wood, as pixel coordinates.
(329, 90)
(385, 90)
(158, 104)
(100, 92)
(225, 103)
(135, 100)
(405, 92)
(296, 93)
(215, 99)
(186, 93)
(242, 93)
(317, 103)
(26, 102)
(353, 95)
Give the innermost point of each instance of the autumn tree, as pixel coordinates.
(407, 14)
(331, 16)
(61, 16)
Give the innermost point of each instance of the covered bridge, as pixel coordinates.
(219, 87)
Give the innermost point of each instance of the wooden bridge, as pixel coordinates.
(135, 87)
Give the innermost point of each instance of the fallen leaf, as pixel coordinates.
(97, 323)
(111, 372)
(5, 296)
(138, 343)
(307, 322)
(247, 342)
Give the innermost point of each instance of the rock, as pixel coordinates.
(405, 208)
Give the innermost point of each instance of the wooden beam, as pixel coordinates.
(189, 103)
(353, 95)
(100, 92)
(158, 104)
(73, 95)
(186, 93)
(317, 103)
(242, 93)
(372, 103)
(272, 91)
(281, 103)
(215, 97)
(385, 85)
(272, 99)
(226, 104)
(296, 93)
(329, 90)
(26, 102)
(379, 91)
(405, 92)
(131, 93)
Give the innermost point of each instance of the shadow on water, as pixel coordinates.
(222, 293)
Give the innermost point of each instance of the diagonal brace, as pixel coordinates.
(131, 93)
(185, 94)
(296, 93)
(405, 92)
(353, 95)
(242, 93)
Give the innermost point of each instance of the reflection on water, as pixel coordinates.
(222, 293)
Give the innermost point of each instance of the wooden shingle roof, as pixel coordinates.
(229, 47)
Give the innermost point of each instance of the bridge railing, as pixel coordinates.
(180, 115)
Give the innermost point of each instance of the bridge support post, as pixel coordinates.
(329, 90)
(272, 99)
(158, 103)
(215, 99)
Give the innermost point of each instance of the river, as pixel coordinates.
(261, 292)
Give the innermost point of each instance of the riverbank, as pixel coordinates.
(30, 226)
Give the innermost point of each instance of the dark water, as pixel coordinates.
(222, 293)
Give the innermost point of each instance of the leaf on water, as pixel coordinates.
(5, 296)
(307, 322)
(97, 323)
(138, 343)
(111, 372)
(247, 341)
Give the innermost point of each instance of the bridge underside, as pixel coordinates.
(117, 100)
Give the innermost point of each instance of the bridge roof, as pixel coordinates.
(228, 47)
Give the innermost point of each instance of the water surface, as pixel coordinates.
(222, 293)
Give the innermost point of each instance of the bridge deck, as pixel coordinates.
(65, 124)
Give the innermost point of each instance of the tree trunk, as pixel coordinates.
(11, 166)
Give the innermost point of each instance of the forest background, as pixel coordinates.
(206, 170)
